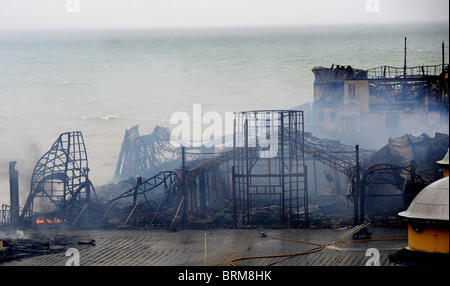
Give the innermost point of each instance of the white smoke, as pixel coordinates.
(18, 234)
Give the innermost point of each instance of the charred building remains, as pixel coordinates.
(385, 101)
(263, 179)
(385, 104)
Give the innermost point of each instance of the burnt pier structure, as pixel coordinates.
(265, 180)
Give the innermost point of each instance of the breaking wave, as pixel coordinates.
(109, 117)
(104, 118)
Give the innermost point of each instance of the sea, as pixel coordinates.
(103, 81)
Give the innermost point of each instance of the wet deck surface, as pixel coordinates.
(162, 247)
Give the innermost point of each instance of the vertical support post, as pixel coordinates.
(306, 196)
(88, 201)
(233, 182)
(404, 64)
(443, 58)
(355, 185)
(315, 176)
(193, 198)
(63, 210)
(202, 191)
(360, 191)
(184, 186)
(413, 171)
(14, 193)
(205, 248)
(233, 177)
(247, 172)
(183, 156)
(282, 167)
(443, 74)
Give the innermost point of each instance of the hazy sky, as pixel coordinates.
(28, 14)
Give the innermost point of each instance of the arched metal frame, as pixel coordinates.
(397, 176)
(385, 181)
(61, 177)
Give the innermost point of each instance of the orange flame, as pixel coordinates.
(49, 221)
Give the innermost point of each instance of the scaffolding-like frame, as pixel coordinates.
(270, 174)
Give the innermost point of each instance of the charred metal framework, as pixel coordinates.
(144, 204)
(198, 185)
(204, 181)
(404, 181)
(414, 73)
(172, 196)
(270, 175)
(60, 180)
(342, 158)
(167, 179)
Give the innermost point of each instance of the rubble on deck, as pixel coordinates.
(17, 244)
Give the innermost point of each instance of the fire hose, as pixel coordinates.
(319, 247)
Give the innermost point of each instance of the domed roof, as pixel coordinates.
(431, 203)
(444, 161)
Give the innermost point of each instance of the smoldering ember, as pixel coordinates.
(228, 205)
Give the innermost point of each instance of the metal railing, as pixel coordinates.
(400, 72)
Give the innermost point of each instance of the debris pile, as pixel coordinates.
(399, 170)
(424, 150)
(16, 244)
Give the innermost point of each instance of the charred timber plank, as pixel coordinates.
(79, 215)
(176, 214)
(131, 213)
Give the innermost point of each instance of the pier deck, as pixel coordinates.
(186, 247)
